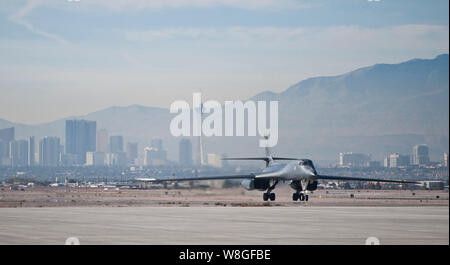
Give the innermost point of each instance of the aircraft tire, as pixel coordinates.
(302, 197)
(295, 196)
(272, 196)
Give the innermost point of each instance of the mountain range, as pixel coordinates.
(380, 109)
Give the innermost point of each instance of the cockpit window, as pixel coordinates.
(305, 163)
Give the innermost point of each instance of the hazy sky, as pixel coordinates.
(60, 58)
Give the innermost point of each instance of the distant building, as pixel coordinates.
(118, 159)
(18, 153)
(354, 160)
(132, 153)
(49, 151)
(31, 151)
(4, 153)
(386, 162)
(420, 155)
(116, 144)
(215, 160)
(398, 160)
(102, 141)
(185, 152)
(154, 157)
(80, 138)
(6, 136)
(445, 160)
(95, 159)
(157, 150)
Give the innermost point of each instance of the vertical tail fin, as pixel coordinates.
(268, 151)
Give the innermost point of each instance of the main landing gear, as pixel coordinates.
(300, 196)
(269, 195)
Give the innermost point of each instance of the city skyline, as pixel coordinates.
(52, 152)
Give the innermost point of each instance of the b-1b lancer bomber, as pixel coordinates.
(300, 173)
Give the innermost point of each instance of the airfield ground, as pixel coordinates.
(217, 216)
(234, 197)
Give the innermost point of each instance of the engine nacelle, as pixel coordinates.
(256, 184)
(297, 185)
(312, 185)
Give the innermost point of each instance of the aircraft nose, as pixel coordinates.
(310, 171)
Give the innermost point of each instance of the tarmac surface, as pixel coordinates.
(225, 225)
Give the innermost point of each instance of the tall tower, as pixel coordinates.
(31, 151)
(202, 157)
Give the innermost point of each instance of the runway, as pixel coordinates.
(225, 225)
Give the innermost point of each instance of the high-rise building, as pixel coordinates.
(95, 158)
(420, 155)
(117, 159)
(185, 152)
(132, 152)
(102, 141)
(80, 138)
(398, 160)
(4, 154)
(18, 153)
(116, 144)
(214, 160)
(31, 151)
(354, 160)
(6, 136)
(445, 160)
(154, 157)
(49, 151)
(386, 162)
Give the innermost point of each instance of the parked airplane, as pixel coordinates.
(300, 173)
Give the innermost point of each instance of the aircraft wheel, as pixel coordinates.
(295, 196)
(302, 197)
(265, 196)
(306, 197)
(272, 196)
